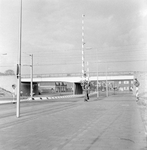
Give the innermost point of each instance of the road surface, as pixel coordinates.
(112, 123)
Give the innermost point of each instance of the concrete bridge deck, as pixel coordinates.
(76, 78)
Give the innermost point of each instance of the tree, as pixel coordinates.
(9, 72)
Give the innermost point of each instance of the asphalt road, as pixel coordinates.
(112, 123)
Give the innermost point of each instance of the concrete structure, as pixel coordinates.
(125, 85)
(8, 81)
(77, 89)
(119, 85)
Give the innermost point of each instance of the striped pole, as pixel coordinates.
(137, 97)
(136, 83)
(88, 72)
(106, 79)
(97, 80)
(83, 57)
(31, 70)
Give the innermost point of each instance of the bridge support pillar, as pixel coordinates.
(77, 88)
(25, 89)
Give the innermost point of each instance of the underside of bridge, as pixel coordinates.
(75, 87)
(25, 89)
(78, 88)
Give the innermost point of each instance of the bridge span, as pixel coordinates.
(75, 79)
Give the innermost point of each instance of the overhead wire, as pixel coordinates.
(100, 54)
(86, 50)
(102, 47)
(89, 62)
(64, 56)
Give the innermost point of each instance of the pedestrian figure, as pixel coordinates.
(136, 83)
(86, 90)
(13, 93)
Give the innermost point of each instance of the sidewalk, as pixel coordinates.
(9, 100)
(113, 123)
(37, 98)
(142, 105)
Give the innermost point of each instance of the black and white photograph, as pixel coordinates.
(73, 74)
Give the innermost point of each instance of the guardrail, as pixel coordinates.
(78, 74)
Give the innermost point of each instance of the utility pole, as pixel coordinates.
(83, 54)
(97, 79)
(88, 71)
(31, 74)
(106, 79)
(31, 70)
(19, 65)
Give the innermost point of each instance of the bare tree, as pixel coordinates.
(9, 72)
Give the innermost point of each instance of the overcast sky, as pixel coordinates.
(115, 31)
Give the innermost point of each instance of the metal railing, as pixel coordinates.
(119, 73)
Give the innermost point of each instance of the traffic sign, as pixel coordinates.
(13, 86)
(136, 83)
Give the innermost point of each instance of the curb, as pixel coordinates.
(54, 97)
(142, 103)
(40, 98)
(44, 98)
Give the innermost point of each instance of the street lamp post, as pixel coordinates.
(3, 54)
(88, 71)
(97, 71)
(106, 79)
(31, 70)
(31, 74)
(83, 54)
(98, 74)
(19, 66)
(97, 79)
(145, 74)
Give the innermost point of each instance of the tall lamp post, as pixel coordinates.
(19, 65)
(97, 79)
(31, 70)
(97, 70)
(3, 54)
(145, 75)
(97, 75)
(83, 55)
(106, 79)
(31, 74)
(88, 73)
